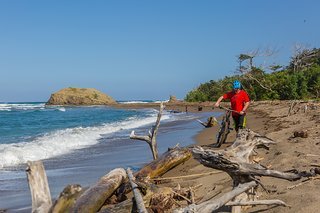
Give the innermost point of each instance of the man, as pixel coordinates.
(239, 103)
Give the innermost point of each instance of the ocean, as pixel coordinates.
(78, 145)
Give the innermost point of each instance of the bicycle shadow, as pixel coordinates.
(230, 140)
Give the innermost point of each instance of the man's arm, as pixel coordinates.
(218, 101)
(246, 105)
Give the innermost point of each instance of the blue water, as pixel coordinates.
(25, 121)
(78, 144)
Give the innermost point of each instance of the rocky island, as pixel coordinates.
(80, 96)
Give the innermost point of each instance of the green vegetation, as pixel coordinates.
(299, 80)
(95, 96)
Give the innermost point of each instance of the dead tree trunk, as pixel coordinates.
(39, 187)
(151, 138)
(235, 161)
(94, 197)
(137, 195)
(163, 164)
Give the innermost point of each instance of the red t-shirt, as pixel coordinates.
(237, 100)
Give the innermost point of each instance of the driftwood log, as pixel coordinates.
(235, 160)
(167, 161)
(151, 138)
(94, 197)
(137, 195)
(39, 187)
(211, 121)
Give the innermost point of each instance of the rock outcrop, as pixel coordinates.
(80, 96)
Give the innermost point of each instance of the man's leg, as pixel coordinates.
(236, 122)
(242, 122)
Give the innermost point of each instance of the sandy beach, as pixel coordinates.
(271, 119)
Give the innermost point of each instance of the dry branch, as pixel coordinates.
(136, 192)
(211, 205)
(257, 202)
(151, 138)
(186, 176)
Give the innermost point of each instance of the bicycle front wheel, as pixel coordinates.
(223, 133)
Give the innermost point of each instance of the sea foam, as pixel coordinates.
(64, 141)
(20, 106)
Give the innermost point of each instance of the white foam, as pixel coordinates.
(140, 102)
(62, 109)
(64, 141)
(21, 106)
(134, 102)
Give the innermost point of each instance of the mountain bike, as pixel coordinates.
(224, 127)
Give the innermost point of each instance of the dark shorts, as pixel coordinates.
(239, 121)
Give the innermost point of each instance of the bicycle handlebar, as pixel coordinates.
(227, 109)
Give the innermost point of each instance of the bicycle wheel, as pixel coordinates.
(224, 133)
(224, 130)
(221, 138)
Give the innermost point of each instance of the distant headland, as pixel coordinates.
(80, 96)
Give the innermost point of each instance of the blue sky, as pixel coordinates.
(141, 49)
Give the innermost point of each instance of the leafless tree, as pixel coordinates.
(247, 66)
(302, 57)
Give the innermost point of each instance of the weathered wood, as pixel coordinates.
(233, 167)
(138, 197)
(163, 164)
(151, 138)
(153, 195)
(123, 207)
(257, 202)
(211, 205)
(67, 199)
(186, 176)
(212, 121)
(39, 187)
(293, 103)
(94, 197)
(235, 160)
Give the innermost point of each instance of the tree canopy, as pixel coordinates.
(299, 80)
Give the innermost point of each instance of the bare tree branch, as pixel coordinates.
(151, 137)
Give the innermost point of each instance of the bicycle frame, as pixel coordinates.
(224, 127)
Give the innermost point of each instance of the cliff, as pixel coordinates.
(80, 96)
